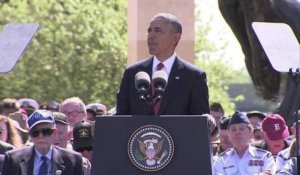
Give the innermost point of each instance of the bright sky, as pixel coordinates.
(221, 32)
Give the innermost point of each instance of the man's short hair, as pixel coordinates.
(217, 107)
(76, 100)
(169, 18)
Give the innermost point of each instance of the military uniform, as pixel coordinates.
(290, 168)
(284, 156)
(254, 161)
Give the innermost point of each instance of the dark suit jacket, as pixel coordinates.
(186, 92)
(5, 147)
(21, 162)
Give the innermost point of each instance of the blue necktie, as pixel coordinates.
(44, 167)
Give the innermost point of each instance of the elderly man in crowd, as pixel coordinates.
(242, 158)
(42, 157)
(63, 138)
(74, 109)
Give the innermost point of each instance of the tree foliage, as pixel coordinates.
(209, 57)
(79, 50)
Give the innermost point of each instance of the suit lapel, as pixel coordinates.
(173, 84)
(57, 163)
(147, 66)
(26, 165)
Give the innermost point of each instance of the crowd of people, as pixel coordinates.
(252, 143)
(244, 143)
(29, 130)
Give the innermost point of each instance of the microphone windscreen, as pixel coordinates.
(142, 79)
(160, 78)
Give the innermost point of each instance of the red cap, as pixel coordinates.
(275, 127)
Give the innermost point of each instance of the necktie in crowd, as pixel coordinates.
(44, 167)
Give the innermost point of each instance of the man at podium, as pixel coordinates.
(186, 91)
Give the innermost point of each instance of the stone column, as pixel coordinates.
(139, 14)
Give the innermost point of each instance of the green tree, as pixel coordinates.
(209, 58)
(79, 50)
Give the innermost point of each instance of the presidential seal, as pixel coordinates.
(150, 148)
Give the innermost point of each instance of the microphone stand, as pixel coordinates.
(296, 77)
(147, 99)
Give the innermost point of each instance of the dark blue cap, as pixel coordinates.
(40, 116)
(239, 117)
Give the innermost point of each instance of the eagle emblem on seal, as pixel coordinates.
(150, 148)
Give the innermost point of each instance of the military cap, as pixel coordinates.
(239, 117)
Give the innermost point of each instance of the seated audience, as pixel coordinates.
(243, 158)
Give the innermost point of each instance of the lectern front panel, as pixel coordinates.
(140, 145)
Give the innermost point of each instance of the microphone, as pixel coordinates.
(159, 81)
(142, 84)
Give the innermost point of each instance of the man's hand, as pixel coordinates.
(213, 129)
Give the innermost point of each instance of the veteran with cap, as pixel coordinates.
(83, 134)
(275, 133)
(242, 158)
(42, 158)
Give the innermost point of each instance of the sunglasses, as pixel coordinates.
(89, 148)
(45, 132)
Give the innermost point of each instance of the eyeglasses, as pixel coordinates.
(73, 112)
(89, 148)
(45, 132)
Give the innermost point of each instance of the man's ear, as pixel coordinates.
(177, 37)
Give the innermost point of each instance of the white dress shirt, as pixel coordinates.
(168, 63)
